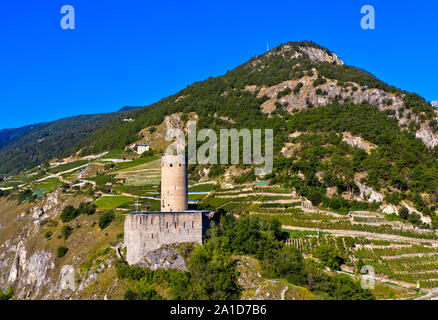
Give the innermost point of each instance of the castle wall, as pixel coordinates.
(148, 231)
(173, 184)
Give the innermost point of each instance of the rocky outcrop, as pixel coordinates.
(410, 207)
(435, 103)
(314, 54)
(324, 94)
(369, 194)
(358, 142)
(309, 96)
(319, 55)
(29, 272)
(166, 257)
(429, 138)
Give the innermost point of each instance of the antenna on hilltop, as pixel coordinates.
(267, 46)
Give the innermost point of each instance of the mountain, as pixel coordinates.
(354, 157)
(311, 98)
(7, 135)
(248, 94)
(253, 86)
(32, 145)
(128, 108)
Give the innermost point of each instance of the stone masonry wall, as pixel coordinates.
(148, 231)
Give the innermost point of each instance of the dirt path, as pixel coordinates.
(58, 175)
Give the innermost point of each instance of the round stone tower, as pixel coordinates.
(173, 184)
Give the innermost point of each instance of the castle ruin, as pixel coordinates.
(147, 230)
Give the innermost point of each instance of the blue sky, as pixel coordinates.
(137, 52)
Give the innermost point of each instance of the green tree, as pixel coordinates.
(66, 231)
(414, 218)
(105, 219)
(8, 295)
(330, 256)
(61, 251)
(87, 208)
(404, 213)
(360, 264)
(213, 276)
(69, 213)
(286, 263)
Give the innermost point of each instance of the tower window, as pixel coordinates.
(167, 224)
(171, 165)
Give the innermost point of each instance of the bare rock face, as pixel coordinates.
(318, 55)
(314, 54)
(166, 257)
(429, 138)
(29, 272)
(324, 94)
(369, 194)
(310, 96)
(356, 141)
(410, 207)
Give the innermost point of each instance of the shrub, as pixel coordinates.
(25, 195)
(87, 208)
(388, 102)
(69, 213)
(404, 213)
(48, 234)
(148, 293)
(286, 263)
(105, 219)
(66, 231)
(8, 295)
(298, 88)
(216, 170)
(329, 256)
(61, 251)
(152, 130)
(284, 92)
(360, 264)
(414, 218)
(319, 81)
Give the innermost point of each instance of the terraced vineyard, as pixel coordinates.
(409, 263)
(144, 174)
(134, 184)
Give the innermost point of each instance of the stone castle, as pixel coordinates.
(146, 231)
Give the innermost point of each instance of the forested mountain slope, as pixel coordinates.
(311, 98)
(30, 146)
